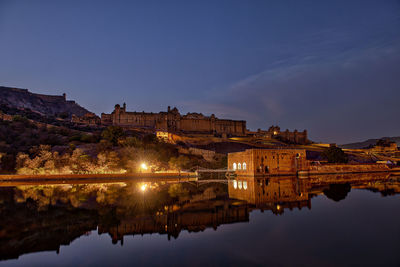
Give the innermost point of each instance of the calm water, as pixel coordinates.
(323, 221)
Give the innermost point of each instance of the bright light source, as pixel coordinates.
(143, 187)
(143, 166)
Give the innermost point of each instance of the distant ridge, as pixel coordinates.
(48, 105)
(369, 142)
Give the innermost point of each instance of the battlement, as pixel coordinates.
(286, 136)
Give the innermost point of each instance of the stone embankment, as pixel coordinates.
(98, 177)
(346, 168)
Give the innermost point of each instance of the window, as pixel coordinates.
(234, 184)
(234, 166)
(239, 166)
(245, 185)
(244, 166)
(240, 184)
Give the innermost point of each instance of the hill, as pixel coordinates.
(369, 142)
(48, 105)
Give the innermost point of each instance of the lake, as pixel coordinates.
(336, 220)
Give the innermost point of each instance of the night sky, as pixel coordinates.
(332, 67)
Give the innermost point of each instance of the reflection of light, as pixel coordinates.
(143, 187)
(240, 184)
(143, 166)
(245, 185)
(234, 184)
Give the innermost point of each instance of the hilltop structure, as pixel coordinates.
(53, 105)
(275, 132)
(173, 121)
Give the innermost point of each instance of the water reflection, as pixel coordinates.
(37, 218)
(274, 193)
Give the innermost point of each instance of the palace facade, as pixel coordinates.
(259, 162)
(173, 121)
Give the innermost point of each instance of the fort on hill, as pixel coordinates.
(173, 121)
(44, 104)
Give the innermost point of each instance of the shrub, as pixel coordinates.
(335, 155)
(112, 134)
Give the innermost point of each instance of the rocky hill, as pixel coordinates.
(369, 142)
(48, 105)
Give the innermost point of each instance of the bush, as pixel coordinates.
(112, 134)
(335, 155)
(18, 118)
(87, 138)
(179, 163)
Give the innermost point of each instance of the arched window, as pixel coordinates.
(245, 185)
(244, 166)
(239, 166)
(234, 184)
(240, 184)
(234, 166)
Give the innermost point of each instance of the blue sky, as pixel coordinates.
(332, 67)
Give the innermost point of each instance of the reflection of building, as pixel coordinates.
(45, 231)
(173, 121)
(271, 193)
(267, 161)
(193, 218)
(119, 209)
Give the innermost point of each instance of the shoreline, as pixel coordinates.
(108, 176)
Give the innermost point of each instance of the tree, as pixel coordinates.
(179, 163)
(112, 134)
(337, 192)
(335, 155)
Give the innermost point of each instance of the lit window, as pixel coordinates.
(244, 165)
(240, 184)
(239, 166)
(234, 184)
(245, 185)
(234, 166)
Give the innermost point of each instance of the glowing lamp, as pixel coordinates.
(143, 166)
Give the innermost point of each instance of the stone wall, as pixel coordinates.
(206, 154)
(345, 168)
(90, 119)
